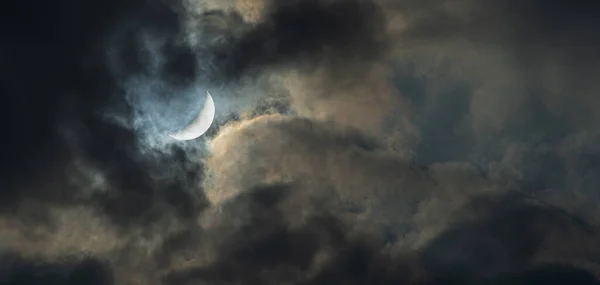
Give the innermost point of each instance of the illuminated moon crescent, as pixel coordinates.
(199, 126)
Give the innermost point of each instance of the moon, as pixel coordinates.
(201, 124)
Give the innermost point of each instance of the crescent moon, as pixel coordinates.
(201, 124)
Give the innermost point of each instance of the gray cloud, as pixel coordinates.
(396, 142)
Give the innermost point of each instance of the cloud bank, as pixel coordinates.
(357, 142)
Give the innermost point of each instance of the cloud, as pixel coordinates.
(411, 207)
(358, 142)
(498, 84)
(19, 271)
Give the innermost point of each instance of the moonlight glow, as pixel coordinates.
(201, 124)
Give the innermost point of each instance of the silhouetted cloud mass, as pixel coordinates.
(355, 142)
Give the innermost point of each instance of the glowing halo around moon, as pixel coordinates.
(201, 124)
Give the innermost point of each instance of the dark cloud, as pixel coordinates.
(506, 84)
(504, 239)
(562, 24)
(548, 274)
(357, 142)
(19, 271)
(497, 243)
(309, 33)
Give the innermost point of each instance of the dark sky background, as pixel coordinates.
(356, 142)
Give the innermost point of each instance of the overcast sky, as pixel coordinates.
(355, 142)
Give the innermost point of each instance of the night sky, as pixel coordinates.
(355, 142)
